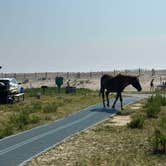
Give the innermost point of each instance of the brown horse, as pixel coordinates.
(117, 84)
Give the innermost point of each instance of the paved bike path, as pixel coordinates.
(17, 149)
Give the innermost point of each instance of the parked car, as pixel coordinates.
(11, 85)
(161, 87)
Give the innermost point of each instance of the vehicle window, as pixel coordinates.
(14, 81)
(6, 82)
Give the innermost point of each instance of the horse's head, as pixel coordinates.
(136, 84)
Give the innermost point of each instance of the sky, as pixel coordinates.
(82, 35)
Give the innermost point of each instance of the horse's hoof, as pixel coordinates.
(119, 113)
(108, 105)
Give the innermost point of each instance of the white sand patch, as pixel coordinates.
(120, 120)
(135, 108)
(138, 104)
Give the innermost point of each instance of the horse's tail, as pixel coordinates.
(100, 92)
(101, 87)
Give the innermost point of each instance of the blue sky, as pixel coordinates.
(82, 35)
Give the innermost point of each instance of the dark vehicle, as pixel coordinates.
(8, 88)
(161, 87)
(12, 84)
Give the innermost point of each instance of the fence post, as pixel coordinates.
(78, 75)
(35, 76)
(24, 75)
(153, 72)
(67, 75)
(114, 72)
(90, 74)
(139, 71)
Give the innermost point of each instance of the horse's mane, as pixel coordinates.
(123, 75)
(118, 75)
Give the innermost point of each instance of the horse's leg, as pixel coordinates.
(108, 103)
(103, 99)
(121, 101)
(117, 96)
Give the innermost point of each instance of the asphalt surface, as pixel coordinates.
(18, 149)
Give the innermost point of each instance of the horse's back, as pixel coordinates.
(107, 82)
(112, 84)
(106, 77)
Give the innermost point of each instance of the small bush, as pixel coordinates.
(163, 101)
(60, 103)
(155, 99)
(158, 141)
(34, 119)
(50, 107)
(81, 82)
(47, 118)
(8, 130)
(153, 110)
(37, 105)
(136, 122)
(162, 123)
(153, 106)
(20, 120)
(68, 100)
(87, 81)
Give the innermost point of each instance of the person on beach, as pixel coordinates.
(152, 85)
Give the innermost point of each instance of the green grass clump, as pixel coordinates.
(20, 120)
(153, 106)
(50, 107)
(158, 141)
(6, 131)
(136, 122)
(153, 110)
(162, 123)
(23, 118)
(81, 81)
(157, 98)
(163, 101)
(36, 105)
(34, 119)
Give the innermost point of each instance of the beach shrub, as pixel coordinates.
(163, 101)
(6, 131)
(162, 123)
(20, 120)
(136, 122)
(153, 106)
(153, 110)
(157, 98)
(158, 141)
(34, 119)
(50, 107)
(37, 105)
